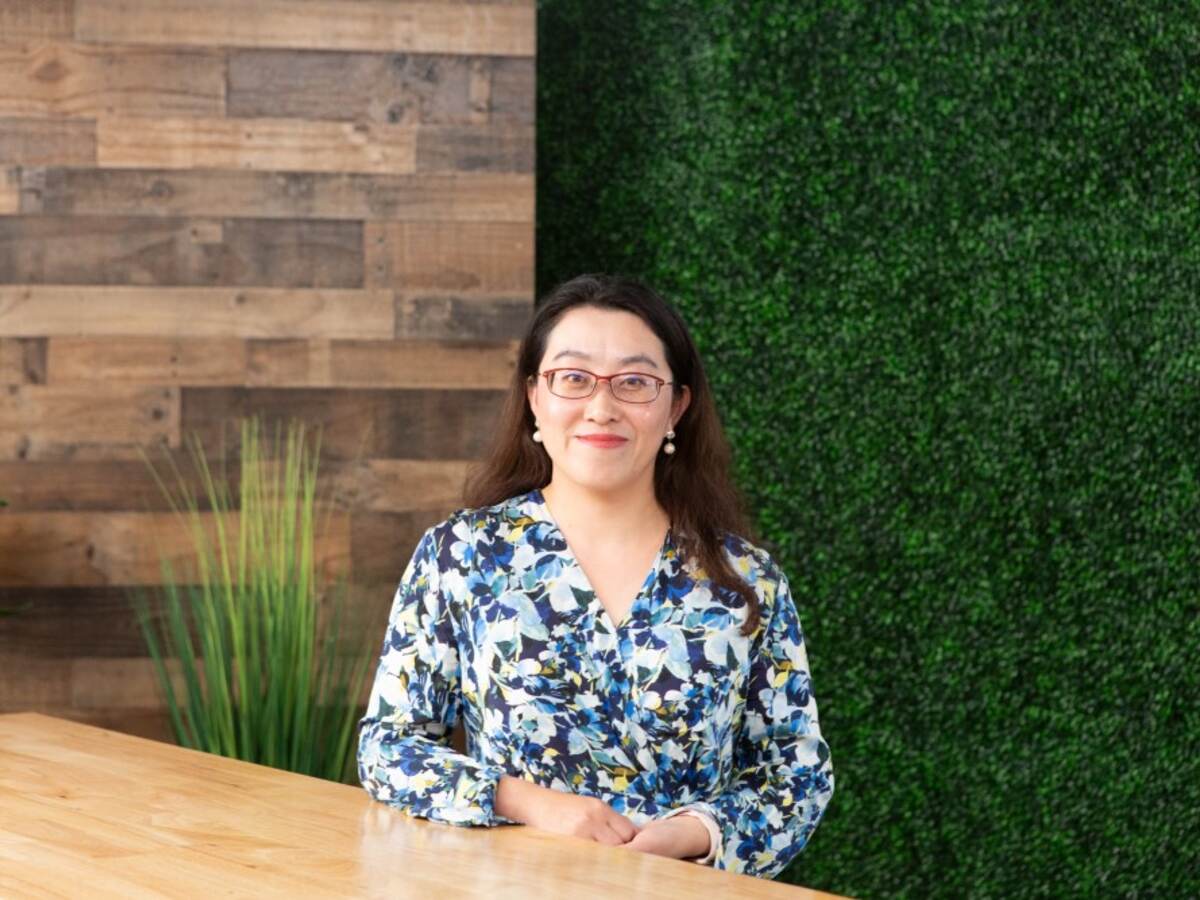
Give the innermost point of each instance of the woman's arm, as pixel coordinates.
(783, 777)
(404, 753)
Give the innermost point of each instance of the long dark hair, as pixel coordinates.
(693, 484)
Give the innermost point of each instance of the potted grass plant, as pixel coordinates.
(249, 658)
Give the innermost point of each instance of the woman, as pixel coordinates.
(628, 668)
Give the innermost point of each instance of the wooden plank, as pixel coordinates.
(36, 19)
(22, 360)
(119, 683)
(261, 144)
(462, 28)
(475, 148)
(39, 421)
(466, 256)
(106, 484)
(27, 683)
(152, 724)
(54, 310)
(391, 88)
(147, 360)
(514, 91)
(466, 197)
(382, 543)
(61, 79)
(380, 364)
(400, 485)
(458, 318)
(61, 623)
(10, 191)
(47, 142)
(100, 622)
(97, 250)
(85, 549)
(356, 424)
(277, 363)
(370, 485)
(480, 90)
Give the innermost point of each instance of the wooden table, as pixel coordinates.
(95, 813)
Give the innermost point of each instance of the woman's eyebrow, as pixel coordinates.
(624, 361)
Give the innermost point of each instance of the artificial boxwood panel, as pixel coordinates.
(943, 263)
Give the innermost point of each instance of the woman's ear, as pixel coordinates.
(680, 405)
(531, 392)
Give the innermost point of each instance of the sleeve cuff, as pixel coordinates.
(714, 833)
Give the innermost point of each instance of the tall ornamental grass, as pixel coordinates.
(260, 676)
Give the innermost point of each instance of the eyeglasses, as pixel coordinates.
(629, 387)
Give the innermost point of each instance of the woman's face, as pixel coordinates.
(604, 341)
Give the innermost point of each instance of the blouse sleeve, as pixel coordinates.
(782, 776)
(404, 753)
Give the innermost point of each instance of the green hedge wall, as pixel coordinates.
(943, 262)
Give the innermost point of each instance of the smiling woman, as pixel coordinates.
(629, 667)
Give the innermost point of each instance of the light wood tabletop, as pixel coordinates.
(90, 812)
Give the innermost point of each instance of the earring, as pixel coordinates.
(668, 447)
(537, 432)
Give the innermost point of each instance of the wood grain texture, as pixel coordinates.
(357, 424)
(57, 310)
(83, 549)
(461, 317)
(279, 363)
(380, 364)
(386, 88)
(362, 485)
(465, 197)
(82, 80)
(47, 142)
(105, 484)
(210, 209)
(64, 623)
(475, 256)
(513, 91)
(36, 19)
(475, 148)
(40, 421)
(462, 28)
(103, 250)
(261, 144)
(10, 191)
(147, 360)
(99, 624)
(383, 541)
(131, 817)
(22, 361)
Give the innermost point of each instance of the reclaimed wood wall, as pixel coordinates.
(319, 209)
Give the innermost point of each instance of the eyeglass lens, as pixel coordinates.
(575, 383)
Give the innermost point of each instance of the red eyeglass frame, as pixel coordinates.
(608, 378)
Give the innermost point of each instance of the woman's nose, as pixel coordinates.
(603, 401)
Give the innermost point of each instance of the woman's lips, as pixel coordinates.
(605, 441)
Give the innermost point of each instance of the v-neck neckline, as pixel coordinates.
(600, 610)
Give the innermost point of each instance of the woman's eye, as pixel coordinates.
(575, 377)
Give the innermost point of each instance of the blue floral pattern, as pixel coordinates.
(494, 624)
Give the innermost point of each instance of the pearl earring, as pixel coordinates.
(668, 447)
(537, 432)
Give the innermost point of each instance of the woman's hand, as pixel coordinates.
(679, 837)
(550, 810)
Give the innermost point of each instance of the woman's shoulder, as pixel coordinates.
(754, 563)
(747, 555)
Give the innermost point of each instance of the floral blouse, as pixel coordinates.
(669, 711)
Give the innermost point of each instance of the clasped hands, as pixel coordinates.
(680, 837)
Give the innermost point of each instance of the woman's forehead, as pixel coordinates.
(599, 335)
